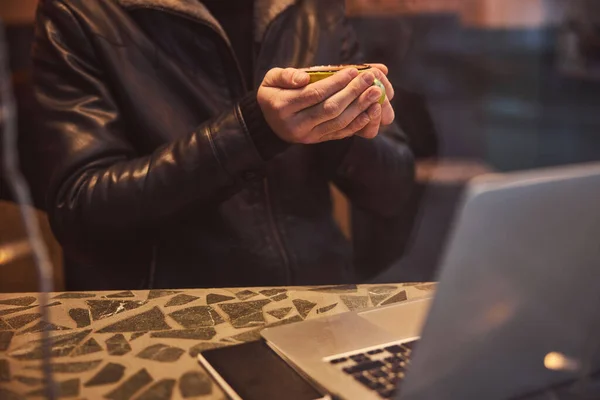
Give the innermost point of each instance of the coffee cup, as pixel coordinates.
(320, 72)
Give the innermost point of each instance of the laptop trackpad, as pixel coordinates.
(322, 337)
(403, 320)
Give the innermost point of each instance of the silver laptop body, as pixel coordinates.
(517, 308)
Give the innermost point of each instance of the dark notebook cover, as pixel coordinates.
(255, 372)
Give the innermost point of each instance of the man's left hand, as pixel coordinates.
(380, 114)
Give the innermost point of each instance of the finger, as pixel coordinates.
(359, 123)
(289, 78)
(335, 136)
(387, 113)
(382, 67)
(372, 128)
(350, 113)
(320, 91)
(389, 89)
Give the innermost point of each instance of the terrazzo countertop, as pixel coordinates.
(142, 344)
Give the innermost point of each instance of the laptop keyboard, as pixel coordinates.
(381, 369)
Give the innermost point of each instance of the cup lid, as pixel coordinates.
(334, 68)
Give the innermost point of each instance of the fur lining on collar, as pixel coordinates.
(265, 11)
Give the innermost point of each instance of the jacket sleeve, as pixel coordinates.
(94, 179)
(377, 175)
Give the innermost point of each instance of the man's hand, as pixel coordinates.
(337, 107)
(381, 114)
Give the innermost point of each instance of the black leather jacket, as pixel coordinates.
(151, 176)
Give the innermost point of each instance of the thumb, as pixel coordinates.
(289, 78)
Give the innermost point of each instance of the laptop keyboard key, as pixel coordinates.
(363, 379)
(363, 367)
(394, 380)
(378, 373)
(360, 358)
(410, 345)
(387, 393)
(398, 369)
(373, 385)
(338, 360)
(393, 360)
(395, 349)
(373, 352)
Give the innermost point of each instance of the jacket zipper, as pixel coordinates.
(278, 239)
(276, 233)
(271, 216)
(274, 229)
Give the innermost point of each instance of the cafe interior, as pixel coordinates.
(480, 280)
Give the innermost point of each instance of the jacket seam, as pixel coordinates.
(215, 151)
(246, 131)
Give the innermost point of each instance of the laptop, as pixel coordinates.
(516, 311)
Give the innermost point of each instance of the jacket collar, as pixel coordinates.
(265, 11)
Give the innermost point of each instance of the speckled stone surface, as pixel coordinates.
(143, 344)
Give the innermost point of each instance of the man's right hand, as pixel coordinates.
(333, 108)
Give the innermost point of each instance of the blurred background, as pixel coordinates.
(485, 86)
